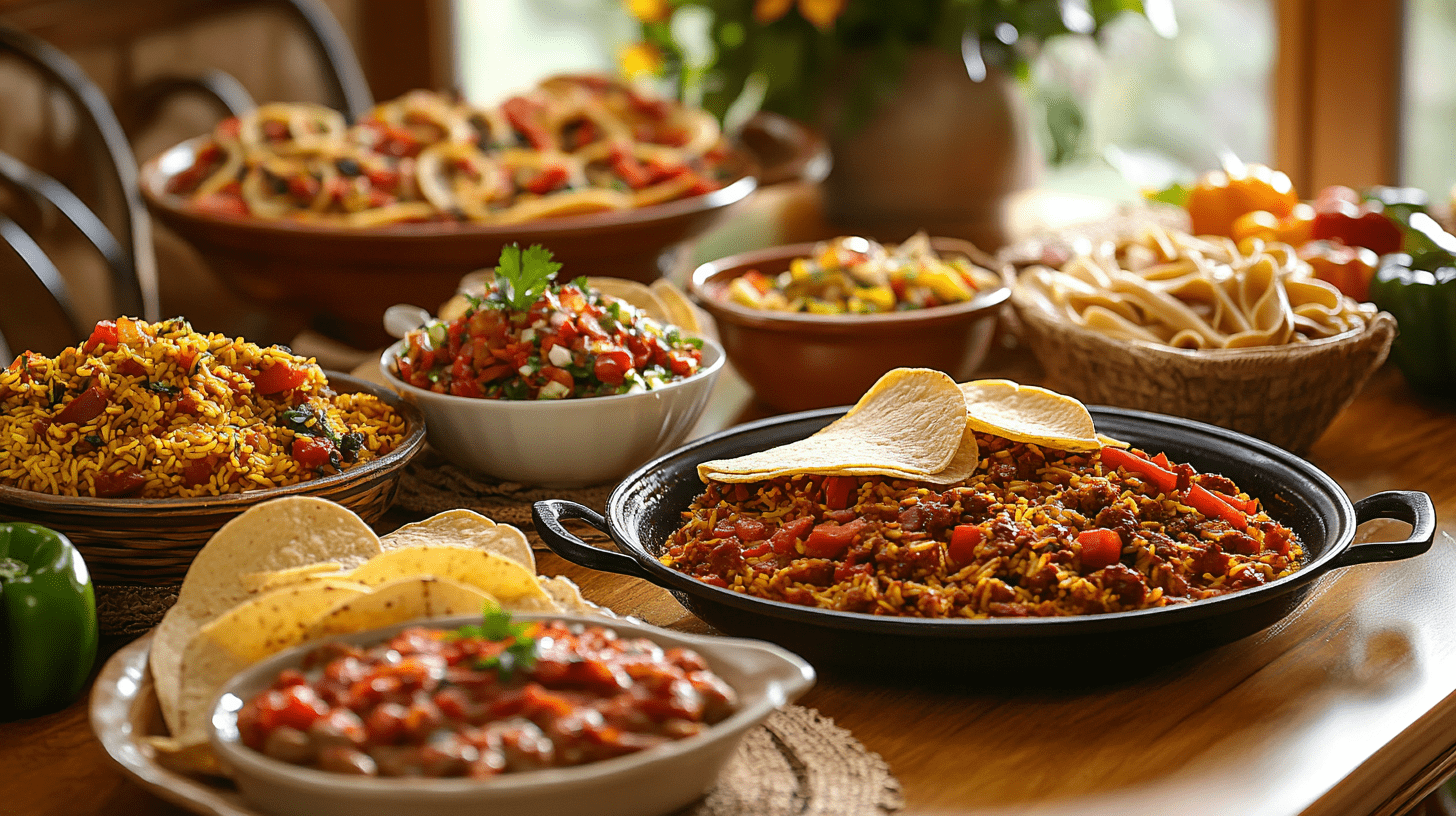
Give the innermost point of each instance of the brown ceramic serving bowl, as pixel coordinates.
(342, 279)
(796, 361)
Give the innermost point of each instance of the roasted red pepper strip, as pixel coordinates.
(1212, 506)
(1249, 507)
(85, 407)
(1101, 547)
(1164, 479)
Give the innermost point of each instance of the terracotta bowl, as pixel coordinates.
(341, 280)
(796, 361)
(151, 542)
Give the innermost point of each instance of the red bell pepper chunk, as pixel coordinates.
(838, 490)
(548, 180)
(784, 539)
(111, 485)
(1360, 226)
(1212, 506)
(1101, 547)
(278, 378)
(85, 407)
(1164, 479)
(522, 114)
(1161, 460)
(830, 540)
(963, 542)
(104, 335)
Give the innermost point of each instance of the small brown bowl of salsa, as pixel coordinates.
(464, 715)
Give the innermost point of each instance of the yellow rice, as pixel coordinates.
(144, 425)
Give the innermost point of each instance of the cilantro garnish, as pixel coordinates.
(523, 275)
(496, 625)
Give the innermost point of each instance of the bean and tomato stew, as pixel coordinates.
(438, 703)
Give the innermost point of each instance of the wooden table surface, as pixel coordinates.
(1348, 706)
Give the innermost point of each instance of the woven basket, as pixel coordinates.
(138, 550)
(1287, 394)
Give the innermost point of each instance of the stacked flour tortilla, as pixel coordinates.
(298, 569)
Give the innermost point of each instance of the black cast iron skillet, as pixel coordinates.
(646, 508)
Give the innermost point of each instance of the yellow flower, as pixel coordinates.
(766, 11)
(649, 11)
(822, 13)
(639, 59)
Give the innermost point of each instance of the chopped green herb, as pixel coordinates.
(163, 388)
(496, 626)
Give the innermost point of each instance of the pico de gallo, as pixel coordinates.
(854, 275)
(483, 700)
(531, 338)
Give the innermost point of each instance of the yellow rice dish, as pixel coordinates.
(158, 410)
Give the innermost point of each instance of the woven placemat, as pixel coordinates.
(799, 763)
(432, 485)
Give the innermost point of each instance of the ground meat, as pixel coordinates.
(1118, 519)
(1091, 496)
(1213, 481)
(1123, 582)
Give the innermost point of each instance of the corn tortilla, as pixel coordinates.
(912, 421)
(1026, 413)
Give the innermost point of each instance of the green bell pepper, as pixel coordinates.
(1423, 302)
(48, 627)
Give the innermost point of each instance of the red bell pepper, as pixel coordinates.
(963, 542)
(1164, 479)
(1101, 547)
(838, 490)
(1361, 225)
(1211, 506)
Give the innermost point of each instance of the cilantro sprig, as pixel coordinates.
(523, 275)
(496, 625)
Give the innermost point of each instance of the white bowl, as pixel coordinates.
(561, 443)
(648, 783)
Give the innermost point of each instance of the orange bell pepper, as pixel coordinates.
(1220, 197)
(1348, 268)
(1293, 229)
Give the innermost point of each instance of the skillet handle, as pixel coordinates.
(1411, 506)
(548, 515)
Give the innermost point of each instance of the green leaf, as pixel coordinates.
(1177, 195)
(524, 275)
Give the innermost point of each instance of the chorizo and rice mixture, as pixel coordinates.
(1034, 532)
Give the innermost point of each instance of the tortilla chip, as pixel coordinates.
(506, 580)
(1026, 413)
(398, 601)
(911, 421)
(567, 595)
(681, 311)
(464, 528)
(188, 758)
(632, 292)
(259, 582)
(281, 534)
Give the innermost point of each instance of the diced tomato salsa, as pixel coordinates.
(437, 703)
(572, 342)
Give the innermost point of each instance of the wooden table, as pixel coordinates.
(1346, 707)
